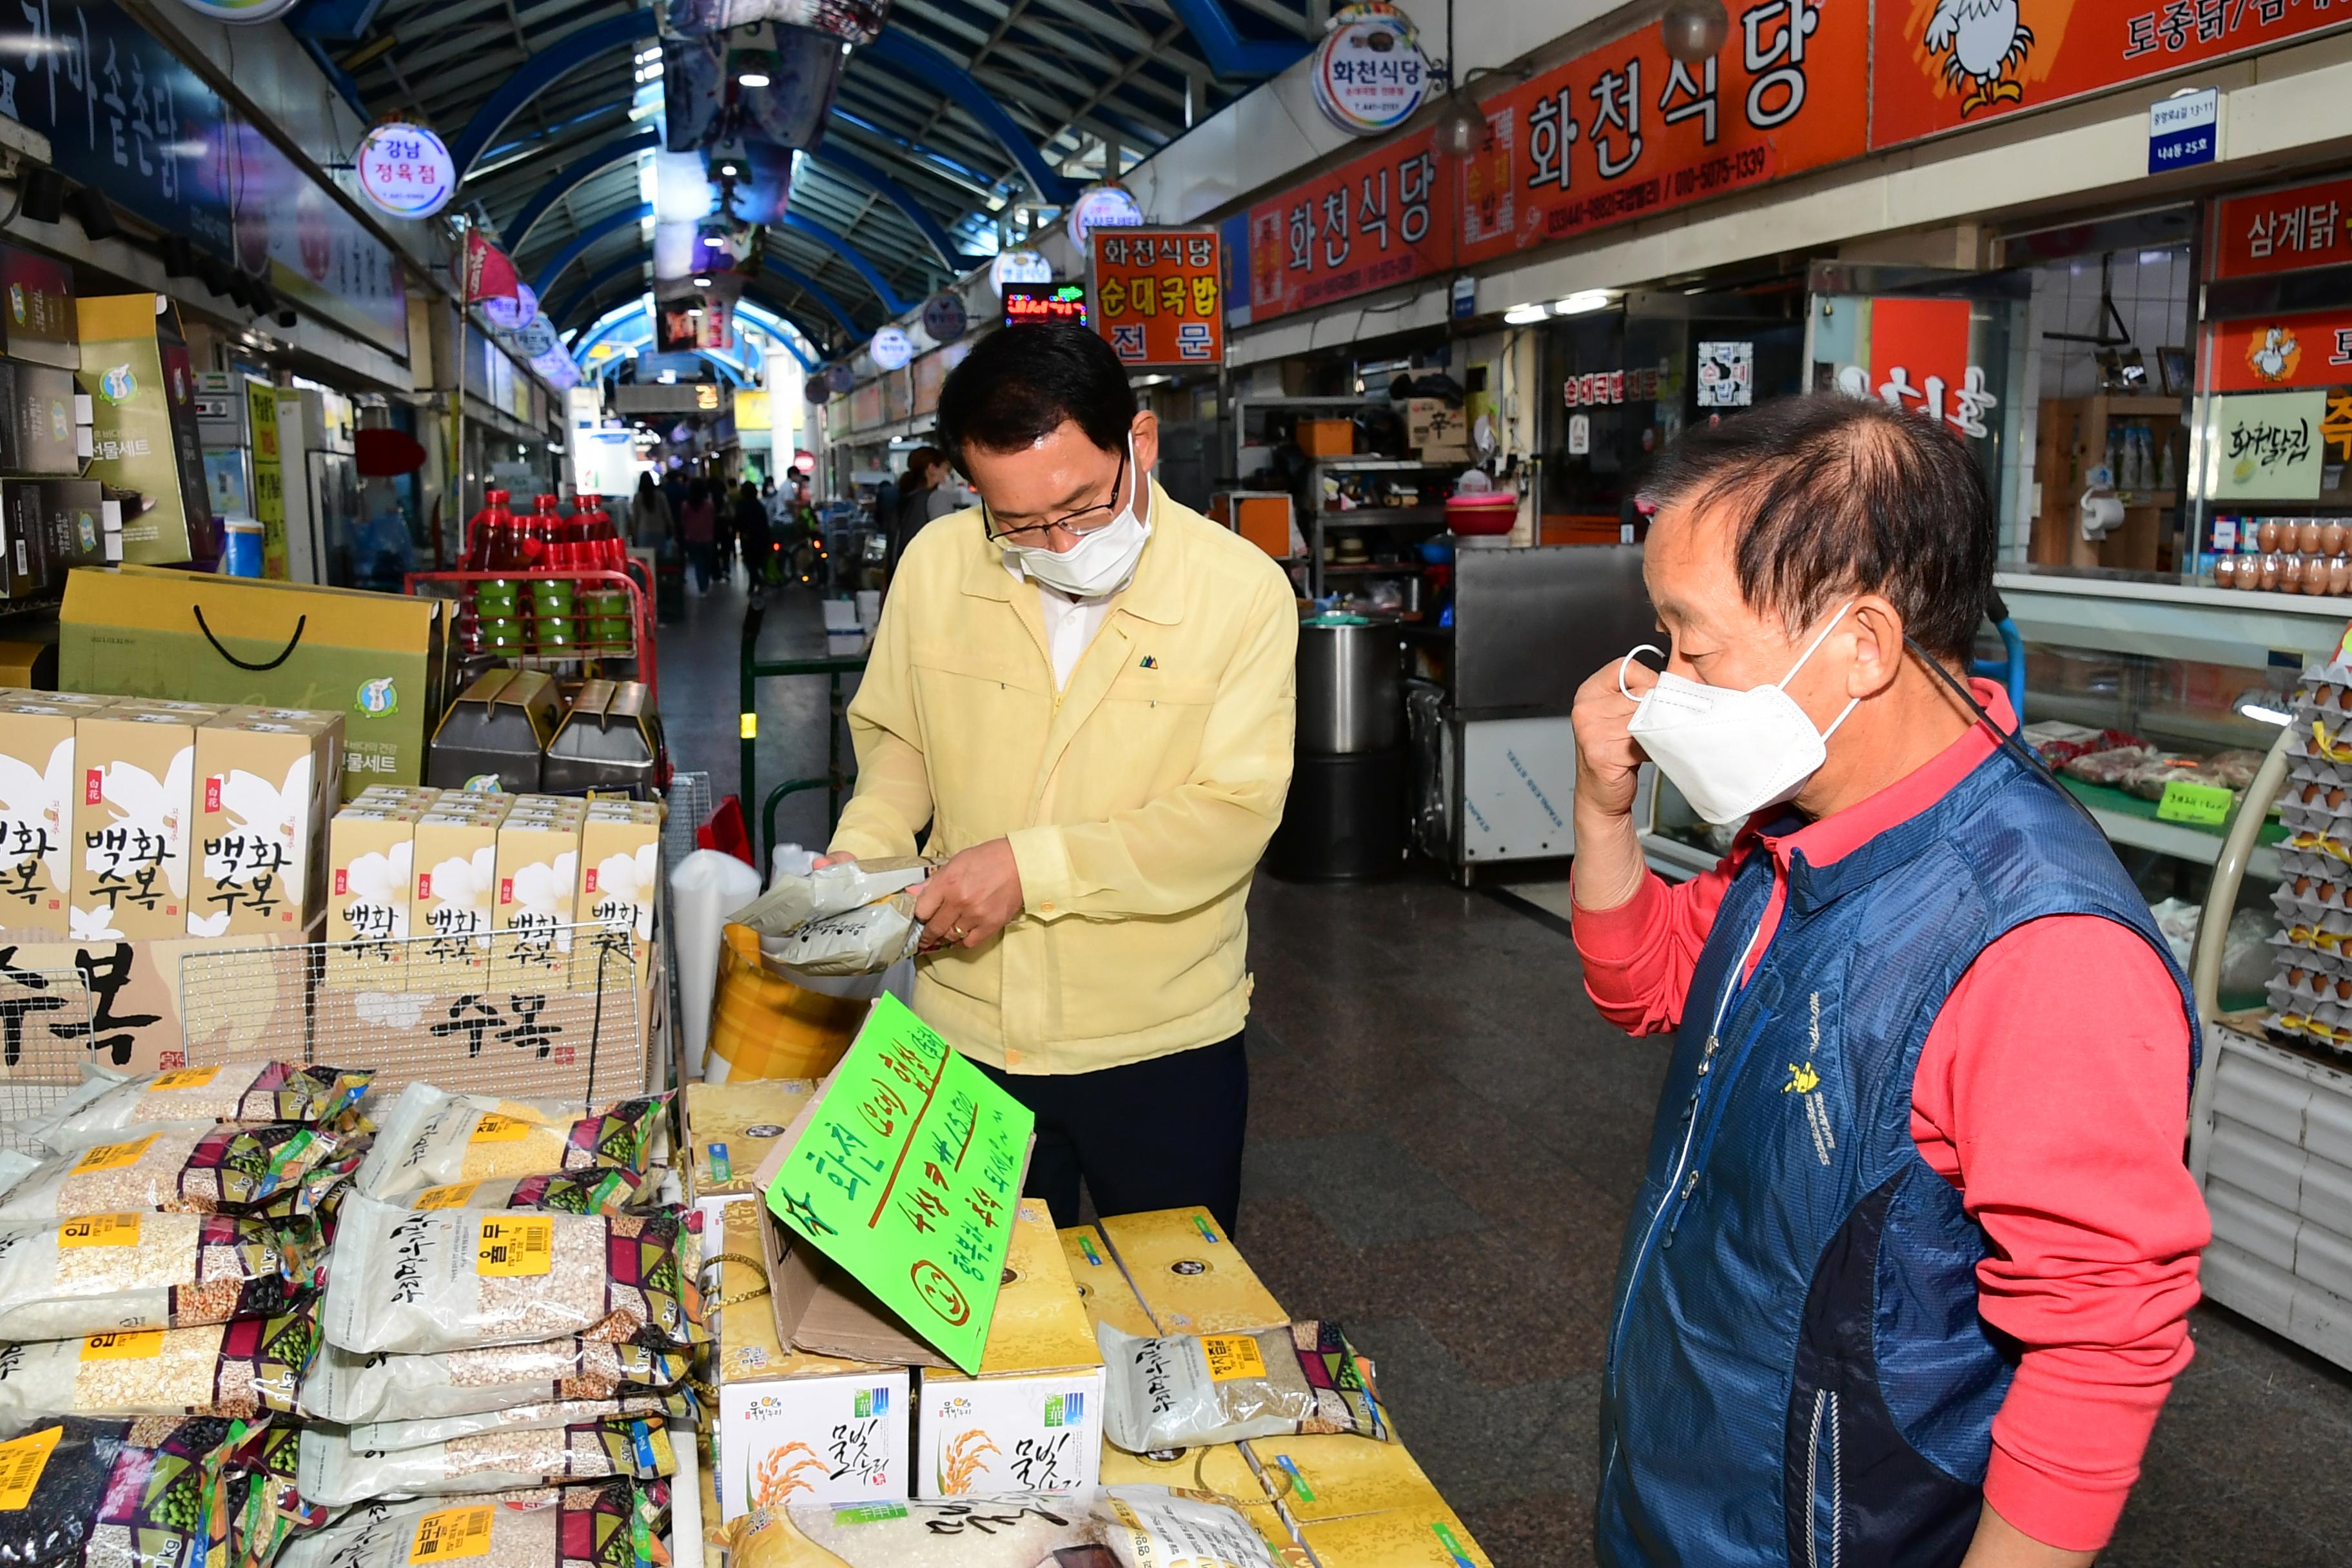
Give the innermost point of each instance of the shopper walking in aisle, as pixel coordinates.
(751, 529)
(924, 495)
(1908, 1277)
(1082, 691)
(650, 523)
(698, 524)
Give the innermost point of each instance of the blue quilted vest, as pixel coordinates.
(1797, 1373)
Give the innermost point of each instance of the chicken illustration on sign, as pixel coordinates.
(1979, 40)
(2275, 354)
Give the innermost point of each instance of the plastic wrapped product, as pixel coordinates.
(678, 1404)
(234, 1370)
(568, 1191)
(115, 1494)
(432, 1139)
(96, 1273)
(1186, 1389)
(2109, 767)
(2235, 768)
(546, 1527)
(109, 1107)
(443, 1279)
(999, 1532)
(215, 1169)
(336, 1472)
(351, 1388)
(2147, 780)
(1152, 1527)
(271, 1512)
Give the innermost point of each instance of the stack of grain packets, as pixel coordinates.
(509, 1322)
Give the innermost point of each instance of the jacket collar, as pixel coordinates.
(1156, 592)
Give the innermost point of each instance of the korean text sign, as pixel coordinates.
(2266, 447)
(1624, 130)
(1160, 294)
(908, 1176)
(1941, 65)
(1374, 221)
(2264, 354)
(2279, 231)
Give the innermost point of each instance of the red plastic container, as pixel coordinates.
(1481, 512)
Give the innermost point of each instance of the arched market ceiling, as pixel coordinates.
(909, 163)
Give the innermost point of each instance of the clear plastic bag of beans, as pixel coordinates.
(110, 1107)
(102, 1272)
(677, 1404)
(221, 1169)
(337, 1472)
(585, 1526)
(431, 1138)
(232, 1370)
(78, 1493)
(355, 1388)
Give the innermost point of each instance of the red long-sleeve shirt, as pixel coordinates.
(2051, 1092)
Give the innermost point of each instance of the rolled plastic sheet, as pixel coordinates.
(706, 886)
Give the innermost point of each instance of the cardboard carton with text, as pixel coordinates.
(36, 812)
(537, 896)
(456, 867)
(131, 822)
(265, 789)
(370, 852)
(1189, 1275)
(620, 876)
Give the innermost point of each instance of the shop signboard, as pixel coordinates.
(2280, 231)
(1941, 65)
(2273, 353)
(1046, 302)
(2264, 446)
(866, 406)
(405, 169)
(1625, 131)
(1369, 73)
(1372, 223)
(1726, 374)
(1915, 354)
(1160, 295)
(930, 373)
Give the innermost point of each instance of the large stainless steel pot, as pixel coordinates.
(1350, 698)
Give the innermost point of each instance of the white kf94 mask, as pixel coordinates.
(1731, 753)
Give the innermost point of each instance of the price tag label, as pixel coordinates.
(112, 1156)
(1232, 1356)
(185, 1077)
(446, 1534)
(2207, 806)
(509, 1247)
(134, 1344)
(452, 1197)
(496, 1129)
(22, 1460)
(99, 1230)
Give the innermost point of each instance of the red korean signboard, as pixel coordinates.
(1625, 131)
(1944, 64)
(1919, 361)
(2279, 231)
(1372, 223)
(2274, 353)
(1160, 295)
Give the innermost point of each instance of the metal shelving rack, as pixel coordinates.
(1314, 519)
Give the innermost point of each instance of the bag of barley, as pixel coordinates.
(677, 1404)
(271, 1510)
(598, 1526)
(110, 1107)
(569, 1192)
(432, 1137)
(102, 1272)
(337, 1472)
(1182, 1389)
(221, 1169)
(353, 1388)
(117, 1494)
(231, 1370)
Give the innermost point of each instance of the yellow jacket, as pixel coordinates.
(1137, 800)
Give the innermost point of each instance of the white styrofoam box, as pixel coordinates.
(979, 1437)
(840, 615)
(833, 1438)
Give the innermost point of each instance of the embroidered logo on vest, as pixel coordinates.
(1806, 1085)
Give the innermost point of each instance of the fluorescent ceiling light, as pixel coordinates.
(702, 282)
(752, 78)
(1580, 301)
(1524, 315)
(727, 169)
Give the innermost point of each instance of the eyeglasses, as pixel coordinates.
(1084, 521)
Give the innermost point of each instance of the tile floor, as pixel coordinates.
(1444, 1141)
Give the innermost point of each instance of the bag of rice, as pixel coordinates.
(336, 1472)
(678, 1404)
(116, 1494)
(1152, 1527)
(178, 1170)
(234, 1370)
(109, 1107)
(356, 1389)
(542, 1527)
(271, 1512)
(1000, 1532)
(102, 1272)
(432, 1139)
(1187, 1389)
(443, 1280)
(571, 1192)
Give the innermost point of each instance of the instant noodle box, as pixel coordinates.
(497, 731)
(1031, 1420)
(1188, 1274)
(266, 783)
(794, 1425)
(38, 786)
(132, 818)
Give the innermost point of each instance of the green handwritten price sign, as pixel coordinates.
(2208, 805)
(907, 1178)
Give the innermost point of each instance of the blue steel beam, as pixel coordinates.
(780, 317)
(842, 160)
(942, 75)
(540, 71)
(808, 286)
(620, 150)
(891, 303)
(1228, 52)
(561, 315)
(609, 224)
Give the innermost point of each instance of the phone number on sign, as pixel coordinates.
(1634, 198)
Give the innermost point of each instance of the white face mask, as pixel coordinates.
(1731, 753)
(1100, 562)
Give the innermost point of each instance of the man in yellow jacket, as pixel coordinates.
(1084, 691)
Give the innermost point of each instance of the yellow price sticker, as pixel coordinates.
(185, 1077)
(112, 1156)
(452, 1197)
(446, 1534)
(1232, 1356)
(132, 1344)
(99, 1230)
(509, 1247)
(22, 1460)
(496, 1129)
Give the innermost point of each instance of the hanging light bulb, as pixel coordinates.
(1693, 30)
(1461, 125)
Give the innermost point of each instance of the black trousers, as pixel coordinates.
(1159, 1134)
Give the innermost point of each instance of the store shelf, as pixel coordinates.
(2125, 818)
(2164, 618)
(1385, 516)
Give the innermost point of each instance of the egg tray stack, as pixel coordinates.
(2310, 992)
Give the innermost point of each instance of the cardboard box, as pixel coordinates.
(620, 879)
(376, 659)
(1032, 1419)
(1261, 517)
(370, 852)
(38, 786)
(497, 732)
(142, 1017)
(132, 812)
(794, 1425)
(265, 789)
(39, 323)
(1103, 1289)
(397, 794)
(537, 896)
(609, 739)
(136, 370)
(1326, 438)
(1432, 423)
(73, 529)
(1338, 1477)
(1430, 1535)
(456, 862)
(1188, 1274)
(38, 423)
(729, 1127)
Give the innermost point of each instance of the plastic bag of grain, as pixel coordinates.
(353, 1388)
(109, 1107)
(443, 1280)
(571, 1192)
(998, 1532)
(102, 1272)
(1186, 1389)
(540, 1527)
(233, 1369)
(271, 1510)
(337, 1472)
(116, 1494)
(431, 1139)
(1152, 1527)
(677, 1404)
(180, 1170)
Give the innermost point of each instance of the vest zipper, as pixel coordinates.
(1825, 1415)
(1717, 1104)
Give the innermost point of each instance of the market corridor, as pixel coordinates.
(1444, 1141)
